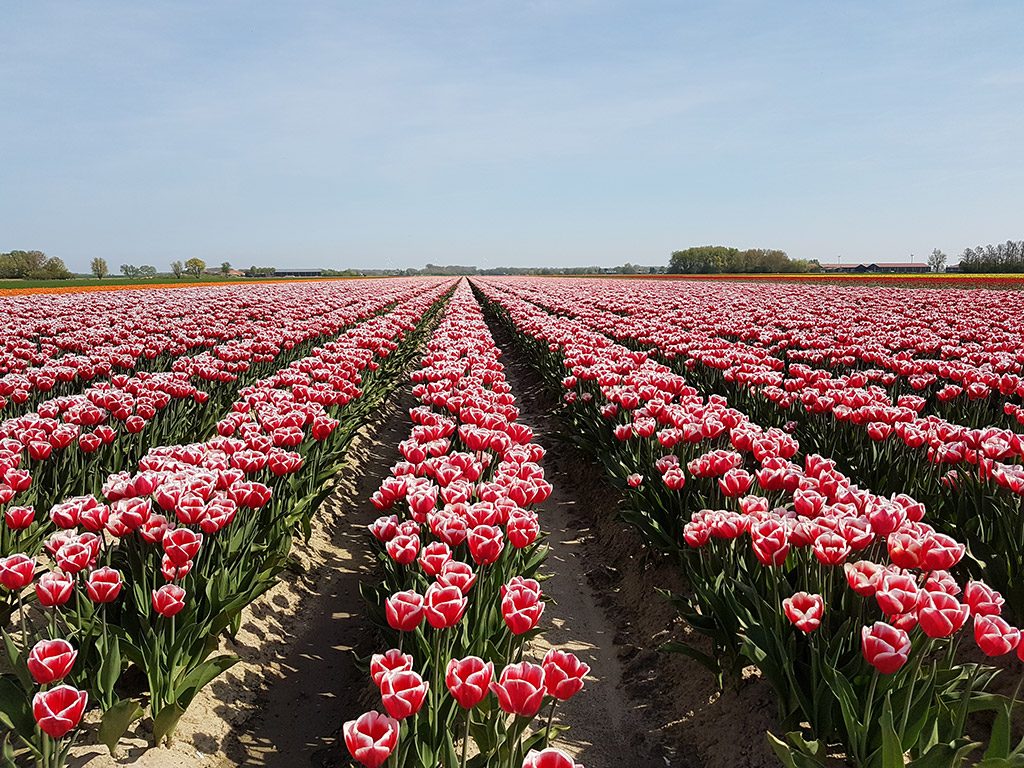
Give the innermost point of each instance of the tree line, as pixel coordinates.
(712, 259)
(32, 265)
(1003, 257)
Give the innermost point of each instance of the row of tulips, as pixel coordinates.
(964, 344)
(134, 592)
(848, 602)
(55, 344)
(459, 551)
(68, 446)
(915, 431)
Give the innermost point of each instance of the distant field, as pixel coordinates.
(16, 287)
(1008, 281)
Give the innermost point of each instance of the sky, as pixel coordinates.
(393, 134)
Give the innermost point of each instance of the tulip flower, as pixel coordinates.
(885, 647)
(904, 549)
(520, 689)
(549, 758)
(371, 738)
(485, 544)
(994, 636)
(940, 552)
(51, 660)
(735, 483)
(983, 600)
(402, 693)
(58, 710)
(563, 674)
(391, 661)
(54, 589)
(19, 518)
(457, 574)
(181, 545)
(804, 610)
(384, 528)
(830, 548)
(897, 594)
(16, 571)
(521, 609)
(403, 548)
(863, 577)
(168, 600)
(444, 606)
(940, 614)
(770, 542)
(103, 585)
(522, 529)
(468, 680)
(404, 610)
(434, 557)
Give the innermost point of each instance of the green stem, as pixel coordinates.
(24, 631)
(465, 738)
(551, 719)
(863, 740)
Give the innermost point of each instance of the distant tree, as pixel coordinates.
(32, 265)
(709, 259)
(260, 271)
(225, 268)
(937, 261)
(129, 270)
(177, 268)
(98, 267)
(195, 267)
(147, 271)
(1004, 257)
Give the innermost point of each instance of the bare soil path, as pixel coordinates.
(644, 707)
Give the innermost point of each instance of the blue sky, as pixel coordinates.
(523, 133)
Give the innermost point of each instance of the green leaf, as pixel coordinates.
(15, 710)
(704, 659)
(110, 667)
(165, 722)
(892, 751)
(17, 663)
(8, 752)
(117, 720)
(999, 741)
(782, 750)
(946, 755)
(201, 676)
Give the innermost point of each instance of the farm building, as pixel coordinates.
(908, 267)
(298, 273)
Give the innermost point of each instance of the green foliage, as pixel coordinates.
(1004, 257)
(32, 265)
(260, 271)
(715, 259)
(195, 267)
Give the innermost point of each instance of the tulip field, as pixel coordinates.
(834, 471)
